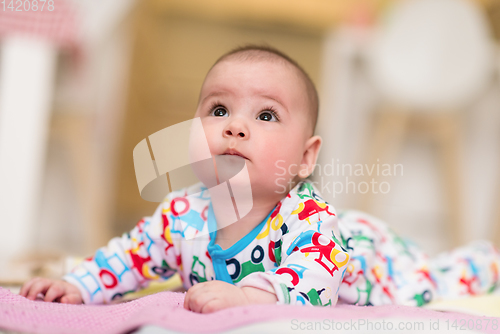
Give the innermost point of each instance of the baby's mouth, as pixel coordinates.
(234, 152)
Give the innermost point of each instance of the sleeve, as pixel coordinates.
(313, 263)
(129, 262)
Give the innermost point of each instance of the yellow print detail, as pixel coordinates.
(274, 223)
(333, 258)
(299, 209)
(136, 247)
(168, 236)
(146, 272)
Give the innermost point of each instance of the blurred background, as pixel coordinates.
(409, 93)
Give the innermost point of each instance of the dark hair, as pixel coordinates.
(265, 52)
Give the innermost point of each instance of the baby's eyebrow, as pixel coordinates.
(275, 99)
(213, 94)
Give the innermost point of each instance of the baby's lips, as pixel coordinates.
(235, 153)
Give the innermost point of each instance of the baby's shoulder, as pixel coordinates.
(302, 209)
(186, 209)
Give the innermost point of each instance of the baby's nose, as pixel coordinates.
(236, 129)
(239, 134)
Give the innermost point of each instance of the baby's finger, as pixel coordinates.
(213, 305)
(198, 299)
(72, 298)
(187, 295)
(55, 291)
(39, 286)
(26, 286)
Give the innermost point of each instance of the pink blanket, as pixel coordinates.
(165, 310)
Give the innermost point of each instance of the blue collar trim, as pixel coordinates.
(219, 255)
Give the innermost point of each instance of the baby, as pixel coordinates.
(292, 247)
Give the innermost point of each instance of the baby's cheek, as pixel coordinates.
(280, 168)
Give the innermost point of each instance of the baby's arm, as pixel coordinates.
(124, 265)
(129, 262)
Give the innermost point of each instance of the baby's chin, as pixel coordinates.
(271, 188)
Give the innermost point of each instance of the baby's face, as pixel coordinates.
(258, 110)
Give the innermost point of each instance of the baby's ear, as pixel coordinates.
(311, 150)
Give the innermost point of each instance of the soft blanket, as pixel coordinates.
(165, 309)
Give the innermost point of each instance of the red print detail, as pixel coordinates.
(179, 260)
(384, 288)
(139, 261)
(468, 284)
(271, 251)
(140, 225)
(367, 223)
(204, 213)
(276, 211)
(165, 225)
(310, 208)
(427, 275)
(107, 273)
(323, 250)
(350, 279)
(172, 206)
(295, 276)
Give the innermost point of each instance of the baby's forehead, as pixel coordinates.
(256, 62)
(250, 61)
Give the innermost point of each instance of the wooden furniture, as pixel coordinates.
(428, 71)
(393, 126)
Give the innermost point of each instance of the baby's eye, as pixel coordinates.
(219, 112)
(267, 116)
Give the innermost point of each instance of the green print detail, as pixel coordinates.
(196, 273)
(277, 255)
(286, 294)
(308, 187)
(247, 268)
(368, 291)
(314, 297)
(420, 299)
(165, 265)
(341, 244)
(359, 239)
(399, 241)
(344, 241)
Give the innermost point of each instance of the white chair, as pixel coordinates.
(429, 60)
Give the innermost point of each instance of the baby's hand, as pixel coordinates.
(54, 290)
(217, 295)
(213, 296)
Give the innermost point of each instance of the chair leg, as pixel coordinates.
(447, 132)
(390, 131)
(496, 221)
(76, 133)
